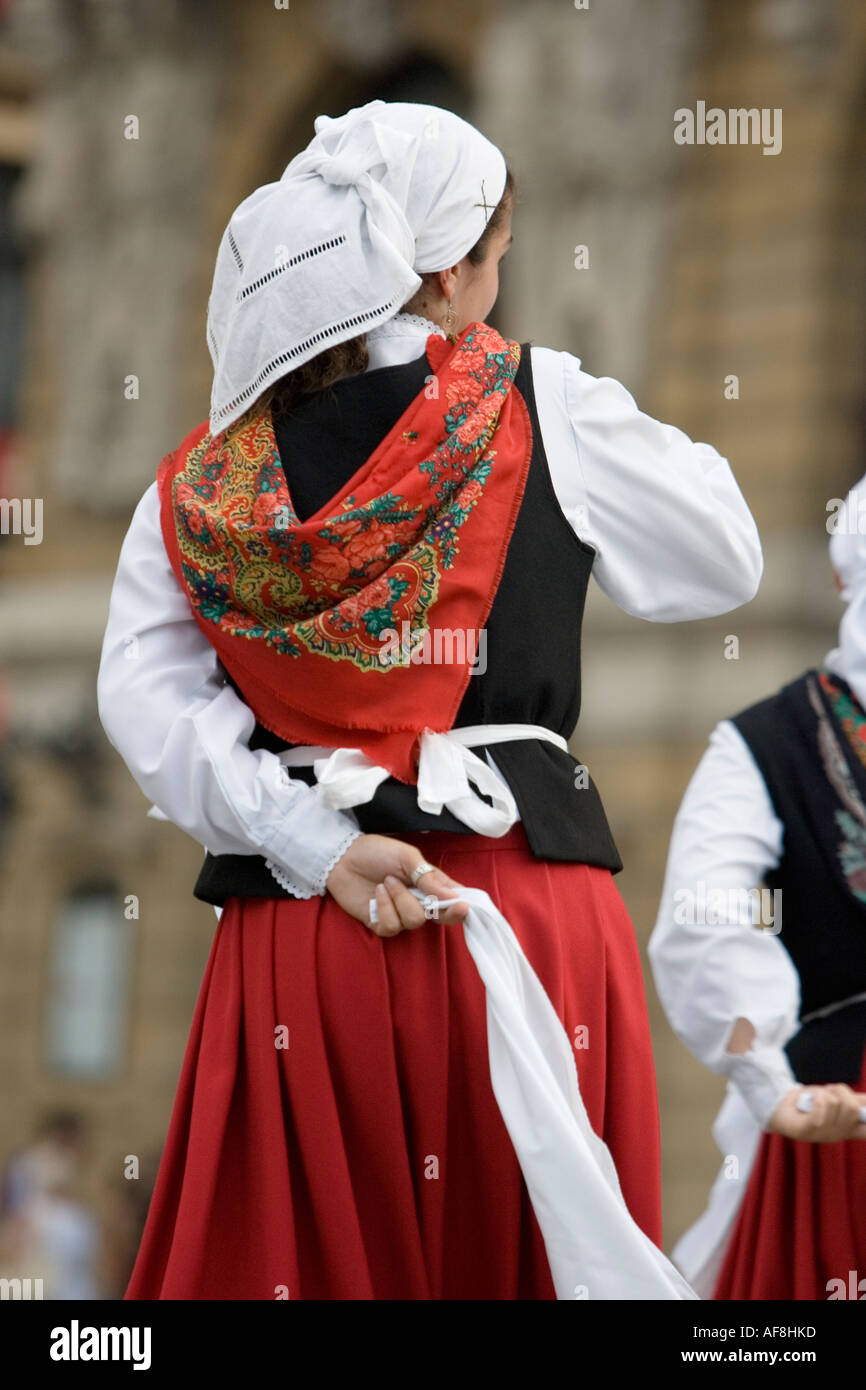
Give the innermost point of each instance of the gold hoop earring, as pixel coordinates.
(450, 319)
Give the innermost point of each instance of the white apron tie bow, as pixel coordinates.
(447, 772)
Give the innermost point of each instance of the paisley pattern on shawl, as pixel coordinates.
(850, 819)
(333, 585)
(301, 611)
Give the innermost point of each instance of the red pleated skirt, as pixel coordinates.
(367, 1159)
(802, 1224)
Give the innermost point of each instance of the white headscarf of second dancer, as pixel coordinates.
(379, 196)
(848, 558)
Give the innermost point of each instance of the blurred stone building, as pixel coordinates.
(127, 136)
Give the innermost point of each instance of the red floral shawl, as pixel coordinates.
(299, 611)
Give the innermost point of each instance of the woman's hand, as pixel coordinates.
(834, 1115)
(377, 866)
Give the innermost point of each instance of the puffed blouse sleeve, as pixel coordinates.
(184, 733)
(673, 535)
(711, 965)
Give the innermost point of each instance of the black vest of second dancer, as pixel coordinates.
(530, 667)
(817, 786)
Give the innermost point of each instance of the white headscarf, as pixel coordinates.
(388, 191)
(848, 558)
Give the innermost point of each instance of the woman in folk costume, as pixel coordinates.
(769, 987)
(377, 1102)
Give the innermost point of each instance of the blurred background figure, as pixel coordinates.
(722, 284)
(46, 1231)
(51, 1159)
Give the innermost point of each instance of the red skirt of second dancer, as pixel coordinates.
(802, 1224)
(335, 1133)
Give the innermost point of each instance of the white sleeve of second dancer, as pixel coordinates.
(673, 535)
(184, 733)
(712, 964)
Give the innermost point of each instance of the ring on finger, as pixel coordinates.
(419, 870)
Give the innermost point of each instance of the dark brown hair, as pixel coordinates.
(352, 356)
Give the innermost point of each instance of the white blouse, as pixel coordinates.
(674, 540)
(711, 964)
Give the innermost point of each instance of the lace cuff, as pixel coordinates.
(763, 1076)
(298, 890)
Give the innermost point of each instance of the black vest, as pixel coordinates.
(532, 672)
(816, 784)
